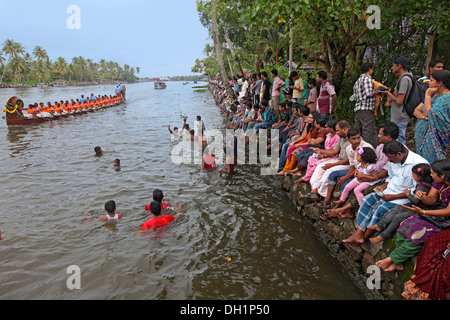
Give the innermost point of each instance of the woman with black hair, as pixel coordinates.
(432, 129)
(390, 222)
(414, 231)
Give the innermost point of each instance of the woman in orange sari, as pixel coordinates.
(301, 142)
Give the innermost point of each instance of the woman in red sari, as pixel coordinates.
(431, 278)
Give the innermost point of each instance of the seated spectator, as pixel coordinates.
(374, 206)
(414, 231)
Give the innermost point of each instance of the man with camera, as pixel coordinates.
(364, 98)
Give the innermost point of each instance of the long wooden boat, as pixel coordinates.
(14, 115)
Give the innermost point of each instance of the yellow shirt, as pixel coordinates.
(298, 84)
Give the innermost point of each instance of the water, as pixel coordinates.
(49, 178)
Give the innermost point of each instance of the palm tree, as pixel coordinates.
(60, 66)
(275, 40)
(39, 53)
(80, 66)
(18, 65)
(218, 47)
(13, 50)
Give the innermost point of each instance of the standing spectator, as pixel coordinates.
(244, 89)
(276, 91)
(297, 88)
(312, 97)
(364, 97)
(327, 99)
(236, 87)
(265, 87)
(395, 101)
(435, 65)
(258, 89)
(432, 132)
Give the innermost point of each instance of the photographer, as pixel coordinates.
(364, 98)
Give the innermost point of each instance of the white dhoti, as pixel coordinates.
(320, 177)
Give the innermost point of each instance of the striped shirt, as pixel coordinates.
(363, 90)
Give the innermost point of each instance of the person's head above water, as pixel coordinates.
(98, 151)
(158, 195)
(110, 206)
(155, 208)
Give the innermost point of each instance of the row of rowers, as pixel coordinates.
(70, 107)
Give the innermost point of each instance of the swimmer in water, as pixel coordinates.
(158, 220)
(98, 151)
(110, 208)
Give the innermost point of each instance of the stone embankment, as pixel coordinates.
(360, 262)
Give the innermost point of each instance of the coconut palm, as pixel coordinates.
(275, 40)
(40, 54)
(18, 65)
(12, 49)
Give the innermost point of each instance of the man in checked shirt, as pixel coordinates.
(364, 97)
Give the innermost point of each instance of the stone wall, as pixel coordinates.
(356, 261)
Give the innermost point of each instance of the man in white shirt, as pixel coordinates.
(388, 195)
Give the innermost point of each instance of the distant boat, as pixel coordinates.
(159, 84)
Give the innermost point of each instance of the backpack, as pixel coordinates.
(414, 96)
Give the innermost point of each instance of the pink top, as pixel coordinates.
(277, 85)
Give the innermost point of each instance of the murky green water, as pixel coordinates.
(49, 178)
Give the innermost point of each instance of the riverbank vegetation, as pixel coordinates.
(17, 65)
(335, 36)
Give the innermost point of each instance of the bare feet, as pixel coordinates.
(388, 266)
(376, 239)
(338, 203)
(300, 182)
(281, 173)
(334, 213)
(374, 227)
(345, 214)
(355, 240)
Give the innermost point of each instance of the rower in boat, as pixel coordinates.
(58, 109)
(31, 111)
(43, 111)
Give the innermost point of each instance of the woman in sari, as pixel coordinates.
(431, 278)
(432, 129)
(331, 139)
(316, 140)
(301, 142)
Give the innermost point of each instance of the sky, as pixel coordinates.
(162, 38)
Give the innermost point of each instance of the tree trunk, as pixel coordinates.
(291, 43)
(231, 47)
(217, 46)
(431, 50)
(337, 70)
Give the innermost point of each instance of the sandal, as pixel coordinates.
(324, 216)
(323, 204)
